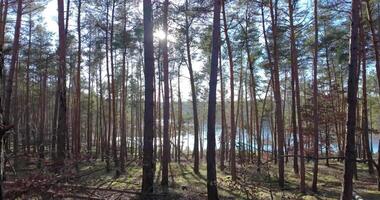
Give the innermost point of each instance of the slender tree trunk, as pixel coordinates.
(108, 135)
(193, 95)
(277, 96)
(232, 110)
(327, 145)
(166, 150)
(89, 106)
(212, 189)
(223, 115)
(315, 100)
(41, 147)
(114, 119)
(124, 81)
(180, 117)
(147, 181)
(350, 156)
(27, 104)
(364, 97)
(16, 118)
(294, 63)
(172, 124)
(253, 96)
(77, 122)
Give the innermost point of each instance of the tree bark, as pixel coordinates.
(147, 182)
(123, 118)
(193, 95)
(27, 98)
(114, 119)
(77, 122)
(277, 96)
(232, 110)
(180, 117)
(365, 129)
(350, 155)
(212, 189)
(62, 118)
(223, 115)
(315, 100)
(14, 59)
(294, 65)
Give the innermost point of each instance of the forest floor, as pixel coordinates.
(93, 182)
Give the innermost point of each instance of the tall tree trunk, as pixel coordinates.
(108, 135)
(14, 59)
(232, 110)
(16, 118)
(62, 117)
(223, 115)
(350, 156)
(180, 117)
(294, 63)
(89, 106)
(277, 95)
(255, 104)
(315, 99)
(147, 181)
(367, 149)
(193, 95)
(76, 124)
(114, 119)
(41, 147)
(212, 189)
(27, 98)
(123, 118)
(166, 150)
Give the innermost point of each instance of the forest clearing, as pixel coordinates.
(96, 183)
